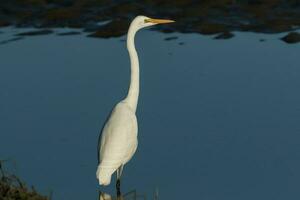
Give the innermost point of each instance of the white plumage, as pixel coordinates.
(118, 144)
(119, 135)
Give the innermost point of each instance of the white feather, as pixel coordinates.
(118, 141)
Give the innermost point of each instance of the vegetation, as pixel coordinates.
(12, 188)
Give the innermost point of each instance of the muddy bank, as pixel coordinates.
(292, 37)
(205, 17)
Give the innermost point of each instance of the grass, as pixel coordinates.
(12, 188)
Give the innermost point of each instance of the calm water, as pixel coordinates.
(217, 119)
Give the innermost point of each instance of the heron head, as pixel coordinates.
(143, 21)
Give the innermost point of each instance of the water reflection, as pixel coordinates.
(104, 196)
(131, 195)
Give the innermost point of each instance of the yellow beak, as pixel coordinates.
(159, 21)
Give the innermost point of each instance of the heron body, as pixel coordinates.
(119, 135)
(118, 144)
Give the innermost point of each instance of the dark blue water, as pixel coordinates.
(217, 119)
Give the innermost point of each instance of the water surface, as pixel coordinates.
(217, 119)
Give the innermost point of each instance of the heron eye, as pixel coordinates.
(146, 20)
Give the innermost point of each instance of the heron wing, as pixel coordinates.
(119, 137)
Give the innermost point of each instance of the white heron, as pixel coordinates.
(119, 135)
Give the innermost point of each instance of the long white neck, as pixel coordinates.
(133, 92)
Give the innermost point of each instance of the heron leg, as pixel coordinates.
(118, 188)
(118, 184)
